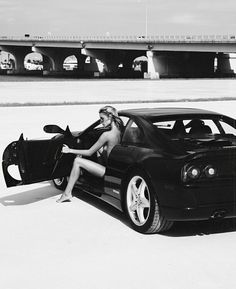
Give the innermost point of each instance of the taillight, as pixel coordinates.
(210, 171)
(194, 172)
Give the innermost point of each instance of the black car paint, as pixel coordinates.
(162, 160)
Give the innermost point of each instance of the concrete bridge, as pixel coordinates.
(167, 56)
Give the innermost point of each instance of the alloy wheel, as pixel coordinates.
(138, 200)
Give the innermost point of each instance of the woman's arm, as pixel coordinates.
(88, 152)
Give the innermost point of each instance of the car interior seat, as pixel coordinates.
(207, 129)
(178, 129)
(203, 129)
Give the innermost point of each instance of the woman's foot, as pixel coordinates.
(64, 198)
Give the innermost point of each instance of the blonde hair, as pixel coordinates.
(112, 112)
(108, 109)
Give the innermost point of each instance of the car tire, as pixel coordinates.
(60, 183)
(142, 207)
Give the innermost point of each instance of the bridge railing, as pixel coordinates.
(122, 38)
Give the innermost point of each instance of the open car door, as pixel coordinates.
(39, 160)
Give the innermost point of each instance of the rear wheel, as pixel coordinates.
(60, 183)
(142, 206)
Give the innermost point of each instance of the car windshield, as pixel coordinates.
(215, 130)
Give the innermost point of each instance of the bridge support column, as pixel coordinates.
(223, 65)
(153, 65)
(164, 64)
(19, 54)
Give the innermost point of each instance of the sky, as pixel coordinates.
(117, 17)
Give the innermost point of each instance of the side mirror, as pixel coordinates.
(52, 128)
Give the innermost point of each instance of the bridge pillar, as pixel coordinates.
(19, 54)
(223, 65)
(153, 65)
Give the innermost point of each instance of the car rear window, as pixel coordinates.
(194, 127)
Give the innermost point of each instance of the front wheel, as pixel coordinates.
(60, 183)
(141, 205)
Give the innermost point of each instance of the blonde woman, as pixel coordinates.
(109, 119)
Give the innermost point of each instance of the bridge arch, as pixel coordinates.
(140, 64)
(7, 61)
(70, 63)
(79, 63)
(18, 54)
(33, 61)
(54, 58)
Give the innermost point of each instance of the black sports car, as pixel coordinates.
(172, 164)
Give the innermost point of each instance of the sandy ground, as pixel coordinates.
(88, 244)
(116, 91)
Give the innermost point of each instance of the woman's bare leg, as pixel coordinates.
(92, 167)
(75, 173)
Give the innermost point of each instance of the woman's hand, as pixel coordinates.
(65, 149)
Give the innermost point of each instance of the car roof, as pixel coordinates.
(164, 111)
